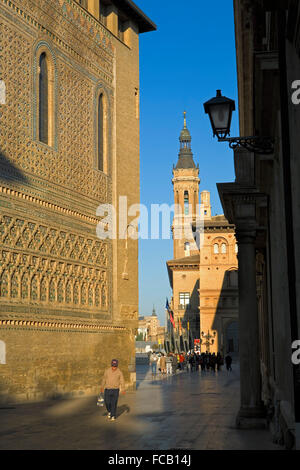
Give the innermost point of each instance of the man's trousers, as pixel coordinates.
(111, 396)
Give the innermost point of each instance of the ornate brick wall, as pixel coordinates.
(59, 320)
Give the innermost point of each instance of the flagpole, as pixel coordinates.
(167, 326)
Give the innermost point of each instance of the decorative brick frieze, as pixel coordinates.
(60, 325)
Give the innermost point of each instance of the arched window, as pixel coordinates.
(2, 352)
(216, 248)
(4, 279)
(232, 278)
(24, 286)
(43, 99)
(186, 202)
(60, 291)
(223, 248)
(100, 133)
(43, 290)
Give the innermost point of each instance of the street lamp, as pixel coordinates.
(209, 339)
(220, 111)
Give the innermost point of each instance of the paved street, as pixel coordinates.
(186, 411)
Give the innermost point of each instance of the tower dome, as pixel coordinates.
(185, 159)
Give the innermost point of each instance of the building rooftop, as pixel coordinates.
(217, 221)
(133, 11)
(187, 261)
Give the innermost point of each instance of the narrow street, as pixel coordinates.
(185, 411)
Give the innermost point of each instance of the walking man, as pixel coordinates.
(153, 363)
(112, 382)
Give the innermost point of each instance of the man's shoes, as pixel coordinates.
(113, 418)
(109, 415)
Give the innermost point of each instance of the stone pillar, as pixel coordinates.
(112, 19)
(251, 412)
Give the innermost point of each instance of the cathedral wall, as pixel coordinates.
(46, 360)
(127, 173)
(54, 269)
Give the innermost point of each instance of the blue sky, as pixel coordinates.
(182, 64)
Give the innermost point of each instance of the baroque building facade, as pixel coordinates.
(203, 273)
(218, 283)
(69, 142)
(263, 203)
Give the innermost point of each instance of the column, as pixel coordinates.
(251, 411)
(112, 19)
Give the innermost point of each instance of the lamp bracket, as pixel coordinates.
(260, 145)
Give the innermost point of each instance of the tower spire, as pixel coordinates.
(184, 119)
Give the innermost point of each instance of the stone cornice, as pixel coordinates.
(220, 228)
(233, 194)
(48, 205)
(184, 267)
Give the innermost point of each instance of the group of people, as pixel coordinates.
(208, 361)
(191, 361)
(166, 364)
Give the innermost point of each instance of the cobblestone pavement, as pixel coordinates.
(185, 411)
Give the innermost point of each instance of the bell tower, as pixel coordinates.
(205, 205)
(186, 196)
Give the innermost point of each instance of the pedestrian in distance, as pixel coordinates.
(181, 361)
(187, 359)
(207, 361)
(198, 361)
(169, 361)
(112, 383)
(174, 363)
(228, 361)
(213, 362)
(163, 364)
(153, 362)
(220, 361)
(202, 362)
(192, 362)
(178, 361)
(184, 360)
